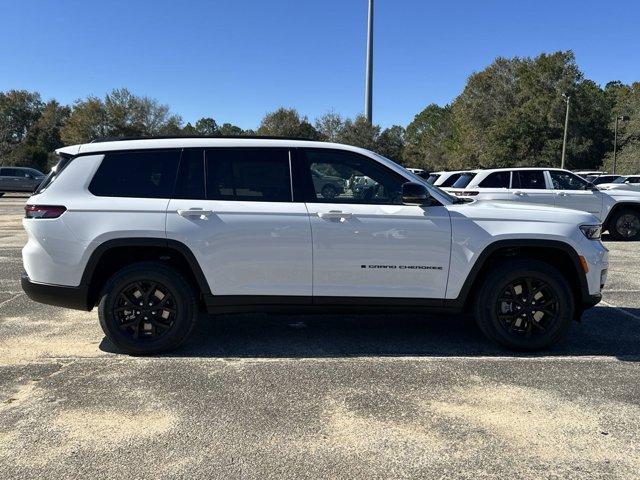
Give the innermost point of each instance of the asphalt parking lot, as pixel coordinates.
(257, 396)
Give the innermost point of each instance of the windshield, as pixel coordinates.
(449, 181)
(463, 180)
(604, 179)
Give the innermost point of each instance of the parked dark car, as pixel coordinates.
(328, 185)
(19, 179)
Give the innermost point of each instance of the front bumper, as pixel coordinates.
(58, 295)
(591, 300)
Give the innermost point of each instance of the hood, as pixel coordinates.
(623, 194)
(506, 210)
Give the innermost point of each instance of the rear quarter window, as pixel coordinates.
(143, 174)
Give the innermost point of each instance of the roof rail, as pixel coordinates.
(177, 137)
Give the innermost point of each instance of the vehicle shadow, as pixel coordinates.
(603, 331)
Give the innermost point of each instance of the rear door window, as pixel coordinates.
(529, 179)
(496, 180)
(248, 174)
(142, 174)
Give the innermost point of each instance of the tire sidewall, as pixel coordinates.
(177, 286)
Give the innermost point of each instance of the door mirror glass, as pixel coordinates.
(415, 194)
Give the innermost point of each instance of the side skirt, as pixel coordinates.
(218, 304)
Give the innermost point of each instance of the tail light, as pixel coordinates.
(43, 211)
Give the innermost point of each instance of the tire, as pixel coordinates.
(625, 224)
(143, 332)
(329, 191)
(524, 328)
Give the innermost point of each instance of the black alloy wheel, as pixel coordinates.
(524, 304)
(145, 309)
(527, 307)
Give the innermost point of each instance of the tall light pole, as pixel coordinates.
(621, 118)
(368, 91)
(566, 126)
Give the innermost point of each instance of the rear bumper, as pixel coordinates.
(58, 295)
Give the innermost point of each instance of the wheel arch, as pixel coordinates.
(560, 254)
(112, 255)
(617, 207)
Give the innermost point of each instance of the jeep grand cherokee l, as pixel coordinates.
(153, 231)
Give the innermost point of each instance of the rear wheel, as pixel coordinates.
(147, 308)
(329, 191)
(625, 225)
(525, 305)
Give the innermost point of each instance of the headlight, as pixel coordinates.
(592, 232)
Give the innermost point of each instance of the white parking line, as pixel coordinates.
(11, 299)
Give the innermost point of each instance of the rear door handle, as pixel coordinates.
(335, 214)
(520, 194)
(562, 194)
(195, 212)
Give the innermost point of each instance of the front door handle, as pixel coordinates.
(520, 194)
(194, 212)
(335, 214)
(562, 194)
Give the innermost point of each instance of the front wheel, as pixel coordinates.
(147, 308)
(525, 305)
(625, 225)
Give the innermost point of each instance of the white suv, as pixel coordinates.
(618, 210)
(154, 231)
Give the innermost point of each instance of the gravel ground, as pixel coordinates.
(339, 396)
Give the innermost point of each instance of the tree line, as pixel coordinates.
(509, 114)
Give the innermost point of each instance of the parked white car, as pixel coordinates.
(153, 231)
(444, 179)
(627, 182)
(618, 210)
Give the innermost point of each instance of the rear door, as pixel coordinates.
(530, 186)
(494, 186)
(366, 243)
(575, 193)
(11, 180)
(233, 208)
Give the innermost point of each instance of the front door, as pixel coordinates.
(240, 222)
(575, 193)
(366, 243)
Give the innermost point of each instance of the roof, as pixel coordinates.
(196, 142)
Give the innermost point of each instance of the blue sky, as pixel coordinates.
(237, 60)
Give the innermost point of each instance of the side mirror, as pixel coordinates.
(415, 194)
(592, 186)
